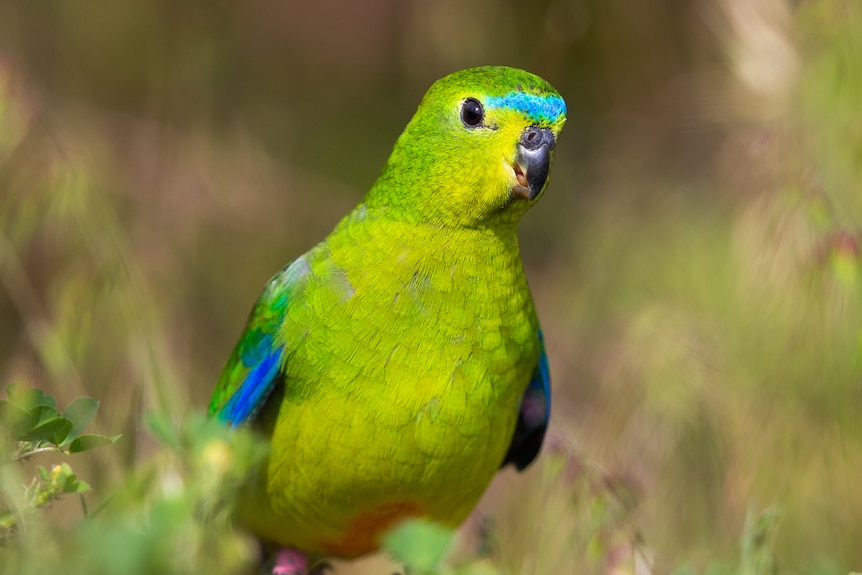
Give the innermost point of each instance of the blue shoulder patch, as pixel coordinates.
(547, 108)
(255, 388)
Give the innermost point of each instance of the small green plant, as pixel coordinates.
(31, 425)
(170, 514)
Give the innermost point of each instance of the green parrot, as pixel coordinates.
(399, 363)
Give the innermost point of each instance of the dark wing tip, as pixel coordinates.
(532, 417)
(525, 446)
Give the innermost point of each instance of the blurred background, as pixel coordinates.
(695, 261)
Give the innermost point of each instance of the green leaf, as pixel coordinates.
(59, 436)
(28, 397)
(81, 487)
(71, 484)
(420, 544)
(80, 412)
(47, 431)
(13, 418)
(40, 423)
(42, 414)
(45, 424)
(90, 441)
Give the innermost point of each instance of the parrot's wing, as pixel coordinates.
(533, 417)
(253, 370)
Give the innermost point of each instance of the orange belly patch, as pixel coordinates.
(363, 535)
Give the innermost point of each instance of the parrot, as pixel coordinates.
(398, 364)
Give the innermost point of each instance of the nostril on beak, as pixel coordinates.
(533, 138)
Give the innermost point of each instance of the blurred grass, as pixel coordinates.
(695, 262)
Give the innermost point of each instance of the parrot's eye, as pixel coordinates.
(472, 112)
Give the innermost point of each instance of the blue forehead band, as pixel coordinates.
(547, 108)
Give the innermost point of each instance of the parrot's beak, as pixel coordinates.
(533, 161)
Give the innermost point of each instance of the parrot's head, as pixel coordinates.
(477, 152)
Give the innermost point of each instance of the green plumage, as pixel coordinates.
(390, 362)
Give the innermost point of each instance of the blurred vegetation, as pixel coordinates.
(696, 263)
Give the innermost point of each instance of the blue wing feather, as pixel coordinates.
(533, 416)
(253, 392)
(252, 372)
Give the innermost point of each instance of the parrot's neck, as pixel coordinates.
(456, 256)
(502, 229)
(458, 241)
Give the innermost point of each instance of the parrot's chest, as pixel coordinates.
(421, 373)
(403, 404)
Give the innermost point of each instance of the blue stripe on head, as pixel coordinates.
(547, 108)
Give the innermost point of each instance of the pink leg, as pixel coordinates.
(290, 562)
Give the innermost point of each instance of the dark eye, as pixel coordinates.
(472, 112)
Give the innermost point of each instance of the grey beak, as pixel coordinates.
(534, 158)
